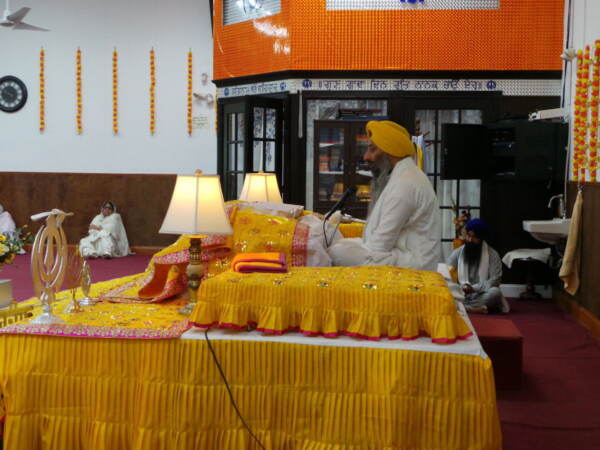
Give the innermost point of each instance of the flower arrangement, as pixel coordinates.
(13, 244)
(460, 223)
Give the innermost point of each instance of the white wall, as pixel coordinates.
(133, 26)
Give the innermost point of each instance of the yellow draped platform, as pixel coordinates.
(109, 394)
(369, 302)
(65, 392)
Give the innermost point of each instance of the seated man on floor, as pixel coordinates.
(107, 237)
(403, 227)
(479, 270)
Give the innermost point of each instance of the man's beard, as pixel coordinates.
(381, 166)
(472, 254)
(381, 174)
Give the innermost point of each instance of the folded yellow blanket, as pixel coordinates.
(259, 262)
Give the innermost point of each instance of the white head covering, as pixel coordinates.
(7, 224)
(114, 207)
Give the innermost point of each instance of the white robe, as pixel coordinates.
(403, 229)
(110, 240)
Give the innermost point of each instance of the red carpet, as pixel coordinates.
(101, 269)
(558, 407)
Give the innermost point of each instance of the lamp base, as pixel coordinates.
(194, 273)
(187, 309)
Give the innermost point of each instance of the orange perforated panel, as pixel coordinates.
(520, 35)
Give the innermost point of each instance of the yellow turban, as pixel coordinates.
(391, 138)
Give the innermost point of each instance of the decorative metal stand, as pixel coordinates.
(48, 262)
(74, 306)
(86, 282)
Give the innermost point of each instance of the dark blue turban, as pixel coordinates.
(478, 227)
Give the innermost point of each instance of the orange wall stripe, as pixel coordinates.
(520, 35)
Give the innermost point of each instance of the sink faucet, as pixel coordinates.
(562, 213)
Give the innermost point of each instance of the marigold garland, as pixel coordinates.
(586, 163)
(189, 94)
(595, 104)
(42, 91)
(152, 92)
(79, 115)
(579, 123)
(115, 87)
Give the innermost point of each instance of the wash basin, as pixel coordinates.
(548, 231)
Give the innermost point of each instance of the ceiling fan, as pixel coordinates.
(15, 20)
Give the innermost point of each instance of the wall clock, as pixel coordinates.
(13, 94)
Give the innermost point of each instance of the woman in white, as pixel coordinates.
(107, 237)
(7, 224)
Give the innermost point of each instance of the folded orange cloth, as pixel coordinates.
(259, 262)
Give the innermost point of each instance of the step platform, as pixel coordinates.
(503, 342)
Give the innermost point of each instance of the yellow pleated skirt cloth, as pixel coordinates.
(113, 394)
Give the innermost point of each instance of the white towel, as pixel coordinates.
(484, 266)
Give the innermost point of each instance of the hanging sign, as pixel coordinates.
(507, 87)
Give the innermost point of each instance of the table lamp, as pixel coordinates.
(196, 208)
(261, 187)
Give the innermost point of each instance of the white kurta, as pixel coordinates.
(403, 229)
(110, 240)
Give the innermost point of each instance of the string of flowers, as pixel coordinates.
(579, 123)
(595, 104)
(42, 91)
(585, 113)
(152, 92)
(189, 94)
(576, 113)
(79, 115)
(115, 88)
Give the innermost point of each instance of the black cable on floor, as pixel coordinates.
(237, 410)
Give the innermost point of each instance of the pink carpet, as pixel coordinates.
(558, 407)
(101, 269)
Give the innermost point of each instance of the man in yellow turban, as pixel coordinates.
(403, 228)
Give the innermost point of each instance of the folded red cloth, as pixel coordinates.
(259, 262)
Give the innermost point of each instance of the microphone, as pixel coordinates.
(340, 204)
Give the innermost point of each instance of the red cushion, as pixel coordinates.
(503, 342)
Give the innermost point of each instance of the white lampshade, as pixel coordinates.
(196, 207)
(261, 187)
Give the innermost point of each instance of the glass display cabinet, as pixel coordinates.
(339, 149)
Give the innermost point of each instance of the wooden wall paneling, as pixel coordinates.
(142, 201)
(588, 295)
